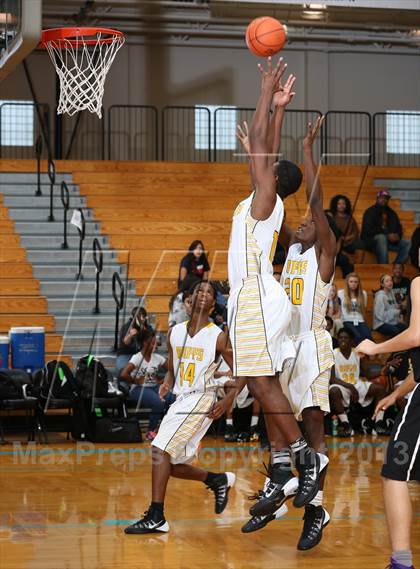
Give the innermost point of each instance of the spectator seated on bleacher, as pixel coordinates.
(415, 248)
(219, 314)
(353, 308)
(341, 259)
(194, 263)
(388, 314)
(130, 336)
(382, 230)
(401, 288)
(349, 387)
(180, 303)
(141, 373)
(341, 211)
(401, 284)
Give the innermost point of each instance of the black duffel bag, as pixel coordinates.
(14, 384)
(115, 430)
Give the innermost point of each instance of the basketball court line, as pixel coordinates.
(185, 522)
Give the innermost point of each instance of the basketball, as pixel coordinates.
(265, 36)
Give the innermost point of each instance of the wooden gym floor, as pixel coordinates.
(65, 506)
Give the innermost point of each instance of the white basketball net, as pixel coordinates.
(82, 70)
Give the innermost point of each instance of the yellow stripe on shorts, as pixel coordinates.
(252, 357)
(320, 391)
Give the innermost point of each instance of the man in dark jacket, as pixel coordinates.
(382, 230)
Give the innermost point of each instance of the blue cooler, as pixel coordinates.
(28, 348)
(4, 351)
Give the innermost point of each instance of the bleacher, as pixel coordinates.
(149, 212)
(21, 303)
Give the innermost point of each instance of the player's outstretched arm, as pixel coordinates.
(410, 338)
(404, 389)
(265, 183)
(242, 134)
(281, 100)
(325, 237)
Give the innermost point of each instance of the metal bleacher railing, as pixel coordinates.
(227, 148)
(133, 132)
(347, 138)
(207, 134)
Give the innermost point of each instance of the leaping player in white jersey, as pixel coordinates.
(258, 308)
(195, 349)
(307, 275)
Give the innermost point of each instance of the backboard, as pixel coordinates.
(20, 32)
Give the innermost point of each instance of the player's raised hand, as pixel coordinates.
(271, 76)
(366, 348)
(242, 133)
(312, 132)
(285, 94)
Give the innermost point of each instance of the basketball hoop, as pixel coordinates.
(82, 58)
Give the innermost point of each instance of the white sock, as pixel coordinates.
(380, 416)
(317, 501)
(343, 418)
(254, 420)
(229, 422)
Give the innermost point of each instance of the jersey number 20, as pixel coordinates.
(294, 289)
(187, 373)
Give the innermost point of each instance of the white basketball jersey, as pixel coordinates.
(252, 243)
(306, 290)
(194, 358)
(347, 370)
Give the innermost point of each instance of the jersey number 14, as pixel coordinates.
(294, 289)
(187, 373)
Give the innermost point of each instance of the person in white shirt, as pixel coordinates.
(141, 373)
(347, 385)
(387, 313)
(353, 301)
(195, 350)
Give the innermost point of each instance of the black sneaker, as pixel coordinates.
(381, 428)
(310, 464)
(221, 488)
(344, 430)
(230, 435)
(151, 522)
(255, 435)
(316, 518)
(280, 486)
(243, 437)
(259, 522)
(367, 426)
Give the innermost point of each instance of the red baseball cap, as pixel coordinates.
(383, 193)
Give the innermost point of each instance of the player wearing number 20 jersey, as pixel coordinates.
(308, 384)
